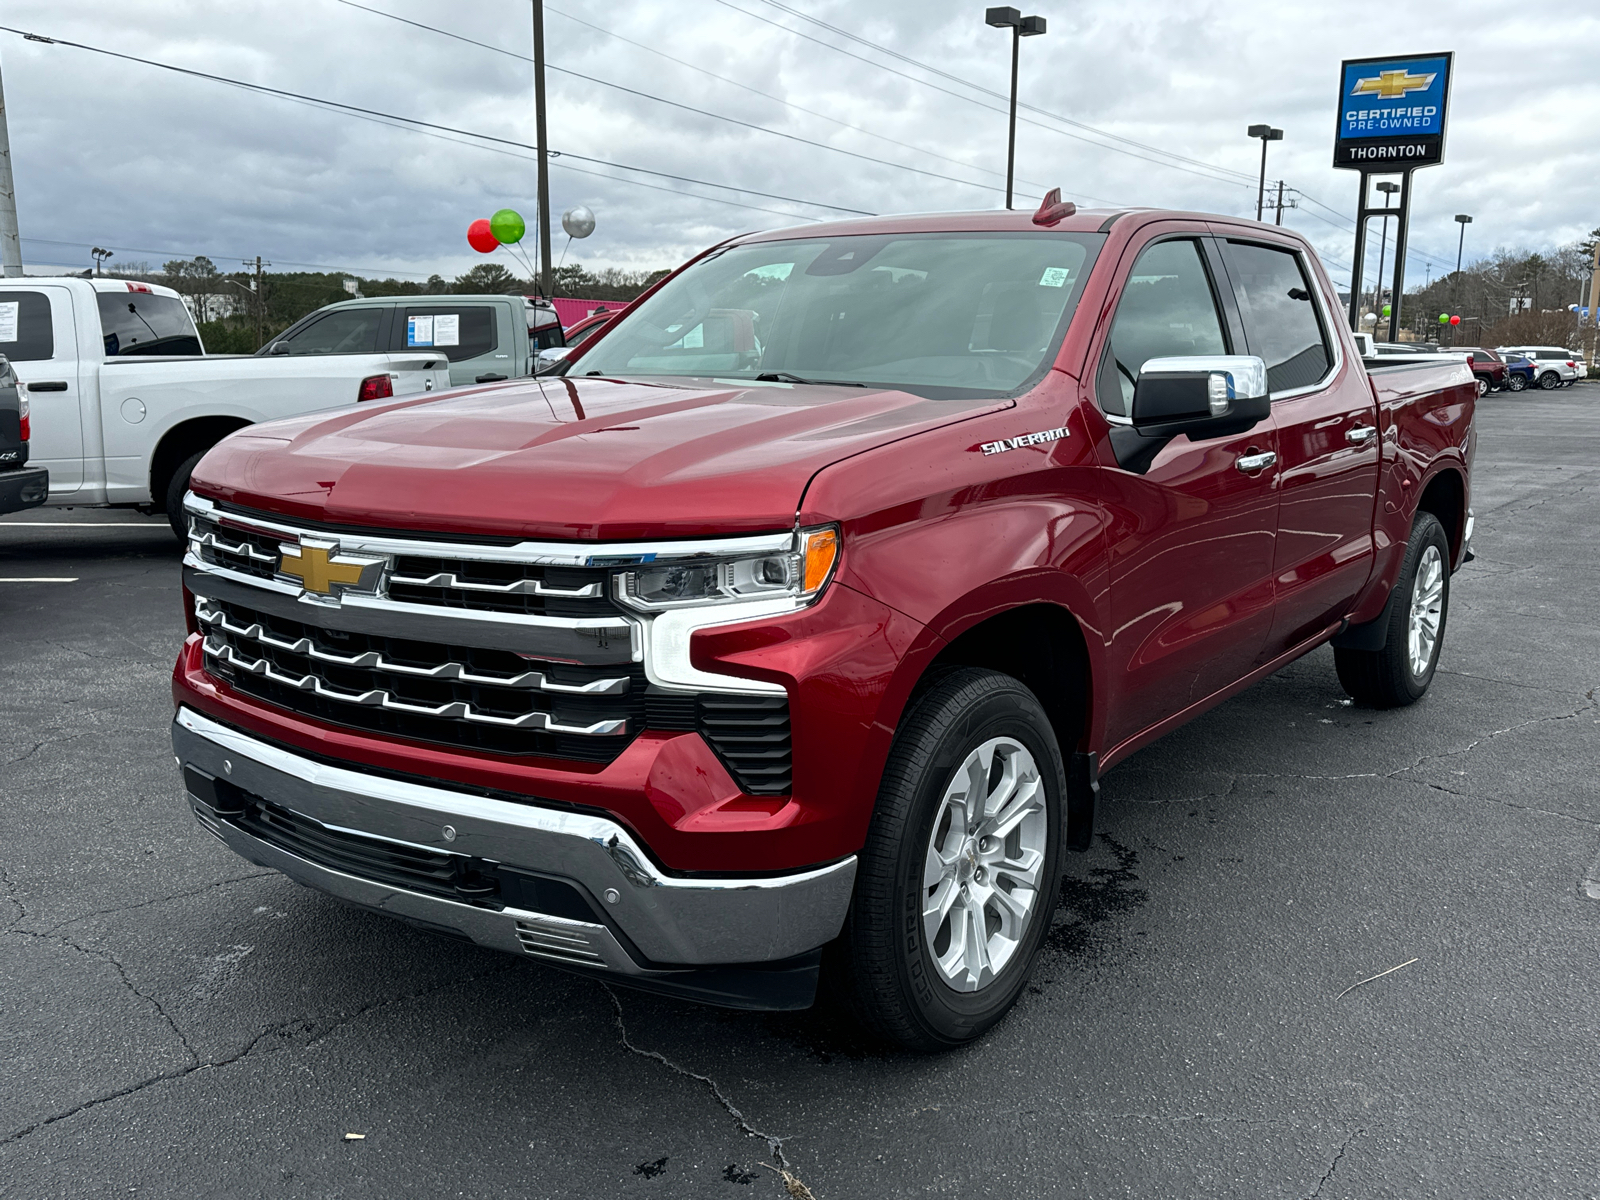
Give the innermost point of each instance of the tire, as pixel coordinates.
(1516, 383)
(1549, 381)
(917, 988)
(1400, 673)
(176, 487)
(1483, 387)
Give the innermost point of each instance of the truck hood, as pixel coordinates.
(557, 458)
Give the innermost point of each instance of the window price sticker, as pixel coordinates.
(1054, 277)
(8, 320)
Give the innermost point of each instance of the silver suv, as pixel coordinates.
(1553, 366)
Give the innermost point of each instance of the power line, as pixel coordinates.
(419, 124)
(778, 133)
(1244, 176)
(1230, 179)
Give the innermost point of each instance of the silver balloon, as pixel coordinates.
(578, 222)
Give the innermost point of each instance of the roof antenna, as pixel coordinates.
(1053, 210)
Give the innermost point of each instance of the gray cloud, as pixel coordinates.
(124, 155)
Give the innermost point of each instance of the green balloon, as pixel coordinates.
(508, 226)
(1386, 310)
(1444, 318)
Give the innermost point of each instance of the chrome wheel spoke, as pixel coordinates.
(982, 864)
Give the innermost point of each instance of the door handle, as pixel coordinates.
(1251, 463)
(59, 385)
(1360, 435)
(491, 377)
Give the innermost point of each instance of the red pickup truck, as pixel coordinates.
(786, 633)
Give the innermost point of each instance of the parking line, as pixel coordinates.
(42, 579)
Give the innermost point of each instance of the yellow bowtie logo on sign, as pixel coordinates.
(1392, 85)
(320, 568)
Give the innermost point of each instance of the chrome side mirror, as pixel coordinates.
(1208, 394)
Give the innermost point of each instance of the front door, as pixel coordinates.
(1191, 539)
(39, 337)
(1327, 420)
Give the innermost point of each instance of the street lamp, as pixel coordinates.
(100, 257)
(1021, 27)
(1388, 189)
(1463, 220)
(1267, 134)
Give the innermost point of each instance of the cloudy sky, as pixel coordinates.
(805, 109)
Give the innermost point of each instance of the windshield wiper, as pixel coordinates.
(791, 377)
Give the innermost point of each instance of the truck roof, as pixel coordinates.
(98, 283)
(1085, 220)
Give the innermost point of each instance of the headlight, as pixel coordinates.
(801, 571)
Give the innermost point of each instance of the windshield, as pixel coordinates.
(145, 323)
(942, 315)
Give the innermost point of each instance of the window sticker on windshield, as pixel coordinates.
(419, 331)
(8, 320)
(1054, 277)
(447, 329)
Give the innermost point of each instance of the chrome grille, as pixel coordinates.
(455, 694)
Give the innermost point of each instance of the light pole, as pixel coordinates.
(1021, 27)
(1463, 220)
(1388, 189)
(1267, 134)
(100, 257)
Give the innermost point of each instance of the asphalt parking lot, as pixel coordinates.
(175, 1021)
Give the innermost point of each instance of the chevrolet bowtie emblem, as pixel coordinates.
(321, 569)
(1391, 85)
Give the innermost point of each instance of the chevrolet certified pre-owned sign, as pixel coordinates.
(1392, 111)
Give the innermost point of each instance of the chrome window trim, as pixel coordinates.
(556, 554)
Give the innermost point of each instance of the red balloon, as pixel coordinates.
(481, 238)
(1455, 320)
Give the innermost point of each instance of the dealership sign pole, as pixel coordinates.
(1392, 115)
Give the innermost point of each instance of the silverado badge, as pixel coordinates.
(1027, 439)
(321, 569)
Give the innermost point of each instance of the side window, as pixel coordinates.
(1280, 318)
(463, 331)
(134, 323)
(344, 331)
(1167, 309)
(25, 332)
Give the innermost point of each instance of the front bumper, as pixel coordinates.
(744, 942)
(23, 488)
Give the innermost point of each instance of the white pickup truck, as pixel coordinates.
(125, 400)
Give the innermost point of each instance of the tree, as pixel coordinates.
(489, 279)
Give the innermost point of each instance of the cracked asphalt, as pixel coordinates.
(175, 1021)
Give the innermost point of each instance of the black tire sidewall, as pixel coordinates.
(1426, 532)
(176, 487)
(948, 1016)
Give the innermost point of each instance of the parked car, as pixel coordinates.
(486, 339)
(1556, 366)
(21, 486)
(576, 335)
(725, 649)
(1520, 372)
(1487, 366)
(124, 400)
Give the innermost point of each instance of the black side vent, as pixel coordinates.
(751, 736)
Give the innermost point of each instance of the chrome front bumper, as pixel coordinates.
(672, 924)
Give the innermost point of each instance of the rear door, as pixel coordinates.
(1327, 419)
(1192, 536)
(476, 338)
(38, 334)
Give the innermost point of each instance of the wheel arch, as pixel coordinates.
(178, 443)
(1445, 496)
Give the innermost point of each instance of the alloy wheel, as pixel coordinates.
(1427, 606)
(980, 882)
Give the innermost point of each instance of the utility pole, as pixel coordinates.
(1594, 301)
(1278, 220)
(545, 271)
(258, 287)
(10, 239)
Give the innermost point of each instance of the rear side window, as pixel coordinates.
(137, 323)
(1167, 309)
(460, 332)
(1280, 319)
(25, 333)
(343, 331)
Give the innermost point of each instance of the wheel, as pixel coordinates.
(1483, 387)
(1516, 383)
(1400, 673)
(1549, 381)
(958, 880)
(176, 487)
